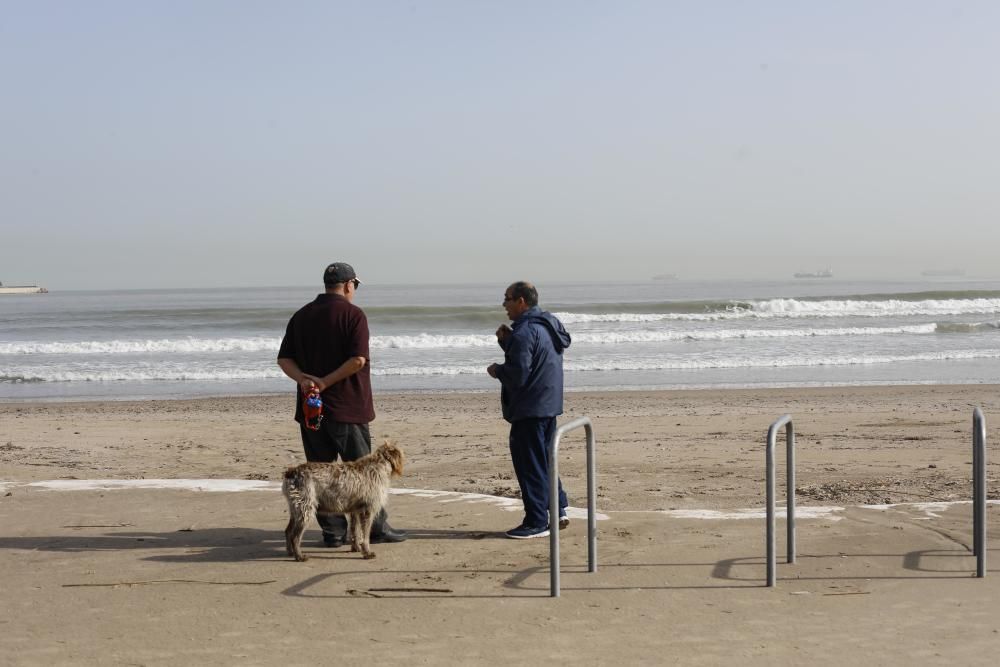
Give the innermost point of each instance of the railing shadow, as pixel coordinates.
(911, 561)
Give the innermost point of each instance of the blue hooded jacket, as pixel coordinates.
(531, 375)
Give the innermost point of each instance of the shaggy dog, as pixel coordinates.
(357, 489)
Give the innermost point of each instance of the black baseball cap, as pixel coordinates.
(339, 272)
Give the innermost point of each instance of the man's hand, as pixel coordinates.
(503, 333)
(492, 370)
(308, 382)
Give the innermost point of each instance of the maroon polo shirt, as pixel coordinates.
(320, 337)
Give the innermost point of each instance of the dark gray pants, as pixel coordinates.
(346, 442)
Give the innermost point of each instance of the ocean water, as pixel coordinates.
(652, 335)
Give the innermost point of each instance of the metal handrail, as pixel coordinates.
(554, 501)
(979, 491)
(785, 421)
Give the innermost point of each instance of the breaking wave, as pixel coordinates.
(800, 308)
(194, 372)
(426, 341)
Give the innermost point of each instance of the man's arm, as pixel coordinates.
(513, 372)
(290, 368)
(504, 333)
(346, 370)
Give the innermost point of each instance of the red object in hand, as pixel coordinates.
(312, 408)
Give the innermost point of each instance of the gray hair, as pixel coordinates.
(524, 290)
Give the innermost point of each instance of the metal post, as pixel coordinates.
(554, 501)
(790, 490)
(979, 490)
(772, 432)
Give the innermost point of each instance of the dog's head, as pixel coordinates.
(393, 455)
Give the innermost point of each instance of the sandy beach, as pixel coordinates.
(160, 576)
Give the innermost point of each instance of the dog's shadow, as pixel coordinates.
(211, 545)
(223, 545)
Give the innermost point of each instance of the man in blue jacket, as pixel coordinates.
(531, 395)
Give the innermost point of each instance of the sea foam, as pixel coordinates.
(426, 341)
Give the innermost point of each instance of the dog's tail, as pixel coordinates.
(293, 486)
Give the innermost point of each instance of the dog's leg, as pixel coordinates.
(300, 511)
(366, 518)
(353, 524)
(289, 532)
(293, 535)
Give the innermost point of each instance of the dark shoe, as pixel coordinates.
(523, 532)
(563, 522)
(333, 541)
(388, 535)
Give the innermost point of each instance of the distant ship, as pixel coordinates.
(943, 273)
(22, 289)
(665, 276)
(825, 273)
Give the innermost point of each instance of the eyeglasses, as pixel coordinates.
(357, 283)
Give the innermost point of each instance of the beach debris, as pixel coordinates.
(882, 490)
(409, 589)
(374, 592)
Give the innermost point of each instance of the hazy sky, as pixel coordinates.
(181, 144)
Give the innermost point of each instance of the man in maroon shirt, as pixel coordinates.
(326, 347)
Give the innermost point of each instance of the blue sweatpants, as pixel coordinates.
(529, 451)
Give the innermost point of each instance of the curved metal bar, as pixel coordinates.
(979, 490)
(772, 432)
(583, 422)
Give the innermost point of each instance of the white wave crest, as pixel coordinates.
(160, 346)
(796, 308)
(216, 345)
(431, 341)
(890, 308)
(782, 362)
(148, 374)
(431, 370)
(200, 373)
(426, 341)
(586, 318)
(667, 336)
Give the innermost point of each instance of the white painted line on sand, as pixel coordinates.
(809, 512)
(210, 485)
(827, 512)
(237, 485)
(932, 510)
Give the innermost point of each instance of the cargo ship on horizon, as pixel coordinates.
(943, 273)
(22, 289)
(825, 273)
